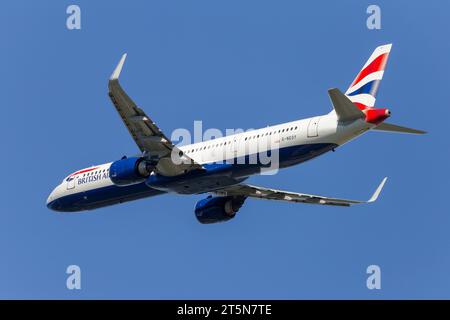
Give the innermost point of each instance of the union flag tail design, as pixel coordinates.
(363, 90)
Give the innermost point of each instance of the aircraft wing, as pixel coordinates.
(152, 142)
(272, 194)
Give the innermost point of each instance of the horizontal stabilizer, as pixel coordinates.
(344, 108)
(394, 128)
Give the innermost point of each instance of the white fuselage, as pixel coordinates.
(320, 130)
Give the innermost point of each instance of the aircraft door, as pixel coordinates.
(313, 127)
(235, 146)
(232, 148)
(70, 183)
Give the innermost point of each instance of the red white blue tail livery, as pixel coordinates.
(363, 90)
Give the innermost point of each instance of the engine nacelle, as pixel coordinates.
(129, 171)
(218, 209)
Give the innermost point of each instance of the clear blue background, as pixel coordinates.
(231, 64)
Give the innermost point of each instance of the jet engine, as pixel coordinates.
(218, 209)
(128, 171)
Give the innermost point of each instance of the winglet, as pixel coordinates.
(378, 191)
(118, 69)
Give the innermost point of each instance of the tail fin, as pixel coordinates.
(363, 90)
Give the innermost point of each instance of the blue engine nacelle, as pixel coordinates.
(218, 209)
(128, 171)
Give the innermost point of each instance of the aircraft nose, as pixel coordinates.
(52, 202)
(54, 205)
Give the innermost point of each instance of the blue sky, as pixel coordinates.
(231, 64)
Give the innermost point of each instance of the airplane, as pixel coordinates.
(212, 167)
